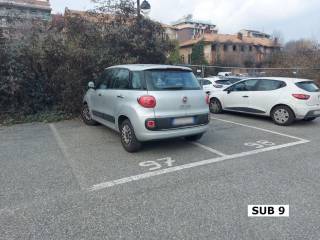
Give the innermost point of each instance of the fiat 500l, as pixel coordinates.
(147, 102)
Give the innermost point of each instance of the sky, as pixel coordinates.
(293, 19)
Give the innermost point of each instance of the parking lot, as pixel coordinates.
(69, 181)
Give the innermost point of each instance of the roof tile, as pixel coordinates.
(228, 38)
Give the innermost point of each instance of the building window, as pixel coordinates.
(214, 47)
(242, 48)
(189, 59)
(234, 48)
(250, 48)
(182, 59)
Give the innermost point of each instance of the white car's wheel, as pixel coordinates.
(283, 115)
(215, 106)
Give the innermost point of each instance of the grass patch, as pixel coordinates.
(44, 117)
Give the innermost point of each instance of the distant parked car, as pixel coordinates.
(224, 74)
(234, 79)
(212, 84)
(283, 99)
(147, 102)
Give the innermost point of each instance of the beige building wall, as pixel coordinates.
(185, 54)
(221, 54)
(208, 53)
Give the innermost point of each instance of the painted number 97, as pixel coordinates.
(260, 144)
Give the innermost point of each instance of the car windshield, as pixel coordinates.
(309, 86)
(166, 80)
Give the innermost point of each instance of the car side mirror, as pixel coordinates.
(91, 85)
(229, 90)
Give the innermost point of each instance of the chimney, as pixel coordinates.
(240, 36)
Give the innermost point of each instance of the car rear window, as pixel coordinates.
(308, 86)
(234, 80)
(171, 80)
(223, 82)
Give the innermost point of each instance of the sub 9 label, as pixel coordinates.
(268, 210)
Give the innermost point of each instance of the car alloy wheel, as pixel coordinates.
(128, 137)
(126, 134)
(86, 116)
(86, 113)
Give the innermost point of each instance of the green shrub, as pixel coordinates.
(49, 70)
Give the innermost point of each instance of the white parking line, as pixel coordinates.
(72, 163)
(104, 185)
(261, 129)
(209, 149)
(223, 157)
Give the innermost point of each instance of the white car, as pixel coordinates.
(283, 99)
(224, 74)
(212, 84)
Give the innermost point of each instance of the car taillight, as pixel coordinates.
(207, 99)
(218, 86)
(147, 101)
(301, 96)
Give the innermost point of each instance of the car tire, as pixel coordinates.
(194, 138)
(86, 116)
(128, 137)
(215, 106)
(283, 115)
(310, 119)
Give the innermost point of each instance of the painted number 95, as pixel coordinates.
(260, 144)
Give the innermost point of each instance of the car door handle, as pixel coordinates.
(99, 94)
(245, 96)
(120, 96)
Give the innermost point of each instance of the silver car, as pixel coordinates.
(147, 102)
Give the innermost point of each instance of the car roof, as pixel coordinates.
(235, 77)
(143, 67)
(214, 78)
(284, 79)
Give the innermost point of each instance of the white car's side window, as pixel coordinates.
(270, 85)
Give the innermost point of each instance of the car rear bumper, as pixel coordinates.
(307, 112)
(312, 114)
(167, 123)
(147, 135)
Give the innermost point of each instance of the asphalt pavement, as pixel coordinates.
(66, 180)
